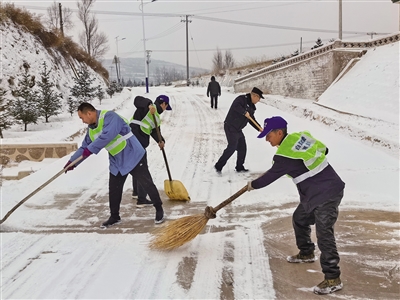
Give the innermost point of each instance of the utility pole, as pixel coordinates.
(110, 72)
(116, 66)
(187, 49)
(148, 53)
(301, 45)
(371, 34)
(340, 19)
(61, 19)
(118, 62)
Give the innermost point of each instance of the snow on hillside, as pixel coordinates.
(19, 47)
(370, 87)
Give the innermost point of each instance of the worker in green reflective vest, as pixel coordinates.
(303, 158)
(142, 125)
(106, 129)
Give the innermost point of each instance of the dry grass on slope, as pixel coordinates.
(51, 39)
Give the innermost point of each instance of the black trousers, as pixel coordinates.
(236, 142)
(143, 176)
(137, 187)
(324, 217)
(214, 101)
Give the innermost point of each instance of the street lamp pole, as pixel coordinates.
(118, 62)
(146, 68)
(340, 19)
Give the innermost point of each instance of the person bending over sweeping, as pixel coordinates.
(143, 127)
(303, 158)
(106, 129)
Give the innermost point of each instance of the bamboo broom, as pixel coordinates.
(183, 230)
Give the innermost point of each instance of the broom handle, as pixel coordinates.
(255, 123)
(230, 199)
(163, 151)
(39, 188)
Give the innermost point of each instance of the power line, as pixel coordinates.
(191, 37)
(169, 31)
(277, 26)
(233, 48)
(221, 21)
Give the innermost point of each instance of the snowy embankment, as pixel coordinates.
(20, 50)
(363, 104)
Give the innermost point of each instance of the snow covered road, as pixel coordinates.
(52, 246)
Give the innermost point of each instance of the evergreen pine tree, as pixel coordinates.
(100, 93)
(82, 90)
(72, 105)
(112, 88)
(318, 43)
(5, 116)
(119, 88)
(25, 107)
(49, 100)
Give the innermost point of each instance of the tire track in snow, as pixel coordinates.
(254, 264)
(208, 276)
(204, 151)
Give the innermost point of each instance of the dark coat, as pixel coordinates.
(213, 88)
(235, 117)
(142, 108)
(313, 191)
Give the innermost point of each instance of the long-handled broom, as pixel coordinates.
(183, 230)
(39, 188)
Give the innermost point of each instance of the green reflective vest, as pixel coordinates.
(147, 124)
(302, 145)
(117, 144)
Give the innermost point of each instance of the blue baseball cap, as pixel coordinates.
(165, 99)
(272, 124)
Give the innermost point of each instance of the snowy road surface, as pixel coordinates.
(52, 246)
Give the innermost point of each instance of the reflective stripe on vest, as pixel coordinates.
(302, 145)
(147, 123)
(117, 144)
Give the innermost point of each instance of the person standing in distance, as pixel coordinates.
(237, 118)
(106, 129)
(303, 158)
(213, 91)
(143, 127)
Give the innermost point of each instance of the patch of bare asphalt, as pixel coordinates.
(368, 243)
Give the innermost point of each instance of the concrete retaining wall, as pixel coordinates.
(306, 79)
(308, 75)
(34, 152)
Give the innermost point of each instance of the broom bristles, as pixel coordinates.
(178, 232)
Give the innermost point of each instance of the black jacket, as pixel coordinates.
(235, 117)
(213, 88)
(142, 108)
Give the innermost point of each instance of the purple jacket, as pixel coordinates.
(313, 191)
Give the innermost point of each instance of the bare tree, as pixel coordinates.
(218, 63)
(229, 60)
(94, 43)
(99, 45)
(53, 17)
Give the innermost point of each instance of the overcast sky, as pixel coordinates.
(249, 29)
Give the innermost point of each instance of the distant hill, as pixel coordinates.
(133, 68)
